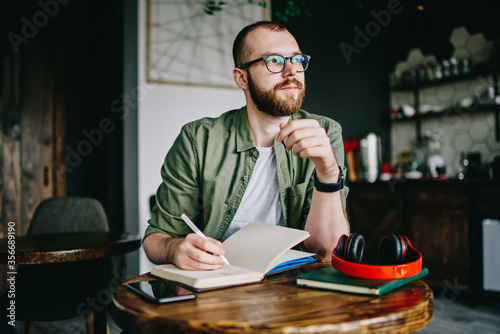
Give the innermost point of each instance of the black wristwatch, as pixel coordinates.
(329, 187)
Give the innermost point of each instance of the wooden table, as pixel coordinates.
(71, 247)
(276, 306)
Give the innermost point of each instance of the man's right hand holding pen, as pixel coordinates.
(193, 252)
(189, 253)
(197, 231)
(196, 253)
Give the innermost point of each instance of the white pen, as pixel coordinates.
(196, 230)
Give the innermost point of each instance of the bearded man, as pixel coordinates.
(269, 162)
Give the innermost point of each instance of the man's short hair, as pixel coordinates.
(241, 50)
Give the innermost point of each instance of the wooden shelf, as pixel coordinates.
(479, 106)
(475, 74)
(484, 105)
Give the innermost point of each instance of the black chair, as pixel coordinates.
(50, 292)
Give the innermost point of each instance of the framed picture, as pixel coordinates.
(190, 42)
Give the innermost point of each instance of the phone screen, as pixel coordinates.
(160, 291)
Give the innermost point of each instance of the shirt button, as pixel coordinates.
(245, 177)
(232, 210)
(255, 153)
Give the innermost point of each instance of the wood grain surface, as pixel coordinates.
(276, 306)
(32, 132)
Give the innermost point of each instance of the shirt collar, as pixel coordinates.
(276, 143)
(244, 139)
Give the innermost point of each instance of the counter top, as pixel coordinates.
(452, 182)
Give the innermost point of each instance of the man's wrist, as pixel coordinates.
(329, 187)
(171, 245)
(332, 176)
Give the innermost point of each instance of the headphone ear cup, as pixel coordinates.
(339, 250)
(406, 246)
(355, 248)
(391, 249)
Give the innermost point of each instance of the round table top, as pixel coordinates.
(276, 305)
(68, 247)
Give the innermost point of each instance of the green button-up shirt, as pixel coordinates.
(208, 168)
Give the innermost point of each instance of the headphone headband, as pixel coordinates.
(381, 272)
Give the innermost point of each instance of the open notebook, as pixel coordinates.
(254, 251)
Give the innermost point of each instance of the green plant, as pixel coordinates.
(293, 8)
(213, 6)
(296, 8)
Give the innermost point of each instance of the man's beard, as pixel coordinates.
(268, 102)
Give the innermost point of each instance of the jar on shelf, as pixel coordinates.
(436, 166)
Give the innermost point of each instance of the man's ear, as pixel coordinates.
(240, 78)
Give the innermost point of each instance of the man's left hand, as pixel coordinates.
(306, 138)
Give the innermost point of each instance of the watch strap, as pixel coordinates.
(329, 187)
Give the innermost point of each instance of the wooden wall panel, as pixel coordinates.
(33, 132)
(10, 149)
(3, 226)
(59, 127)
(37, 140)
(2, 107)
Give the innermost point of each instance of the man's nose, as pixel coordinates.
(290, 69)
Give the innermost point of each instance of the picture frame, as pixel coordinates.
(190, 42)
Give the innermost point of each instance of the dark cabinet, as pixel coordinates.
(441, 218)
(375, 212)
(438, 227)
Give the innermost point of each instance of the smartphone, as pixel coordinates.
(160, 291)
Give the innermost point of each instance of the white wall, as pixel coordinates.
(163, 109)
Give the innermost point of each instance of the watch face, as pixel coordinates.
(190, 42)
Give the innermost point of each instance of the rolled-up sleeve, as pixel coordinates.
(179, 191)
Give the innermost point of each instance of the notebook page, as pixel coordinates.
(257, 245)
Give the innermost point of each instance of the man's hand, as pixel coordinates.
(196, 253)
(189, 253)
(306, 138)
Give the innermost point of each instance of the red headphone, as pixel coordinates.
(396, 252)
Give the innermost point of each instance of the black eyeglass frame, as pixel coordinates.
(245, 65)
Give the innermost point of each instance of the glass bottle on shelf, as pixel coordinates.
(436, 166)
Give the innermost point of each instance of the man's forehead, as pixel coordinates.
(264, 41)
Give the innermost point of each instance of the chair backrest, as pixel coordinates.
(68, 214)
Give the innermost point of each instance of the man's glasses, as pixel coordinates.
(277, 63)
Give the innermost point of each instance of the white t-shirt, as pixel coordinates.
(261, 200)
